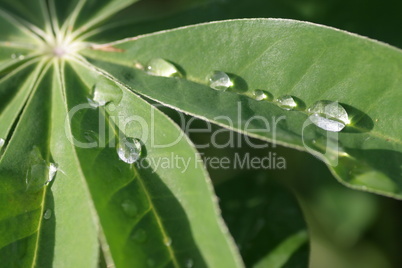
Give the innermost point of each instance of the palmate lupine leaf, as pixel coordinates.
(283, 57)
(68, 206)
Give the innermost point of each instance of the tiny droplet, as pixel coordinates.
(260, 95)
(48, 214)
(52, 173)
(167, 241)
(189, 263)
(219, 80)
(140, 236)
(129, 208)
(161, 67)
(2, 142)
(129, 149)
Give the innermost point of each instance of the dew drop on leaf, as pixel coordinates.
(37, 177)
(40, 173)
(52, 173)
(140, 236)
(330, 116)
(129, 149)
(161, 67)
(260, 95)
(2, 142)
(17, 56)
(167, 241)
(47, 214)
(189, 263)
(286, 102)
(97, 100)
(219, 80)
(129, 208)
(105, 92)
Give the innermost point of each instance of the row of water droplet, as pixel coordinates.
(17, 56)
(330, 116)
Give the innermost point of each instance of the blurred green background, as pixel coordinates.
(347, 228)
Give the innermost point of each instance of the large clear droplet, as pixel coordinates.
(47, 214)
(161, 67)
(52, 173)
(330, 116)
(140, 236)
(260, 95)
(129, 149)
(286, 102)
(219, 80)
(129, 208)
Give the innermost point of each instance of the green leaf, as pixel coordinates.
(307, 61)
(143, 215)
(29, 214)
(265, 221)
(66, 204)
(148, 209)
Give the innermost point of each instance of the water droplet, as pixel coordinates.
(259, 95)
(167, 241)
(219, 80)
(96, 101)
(189, 263)
(52, 172)
(138, 65)
(18, 56)
(48, 214)
(129, 207)
(36, 177)
(104, 92)
(129, 149)
(2, 142)
(287, 102)
(161, 67)
(330, 116)
(37, 173)
(140, 236)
